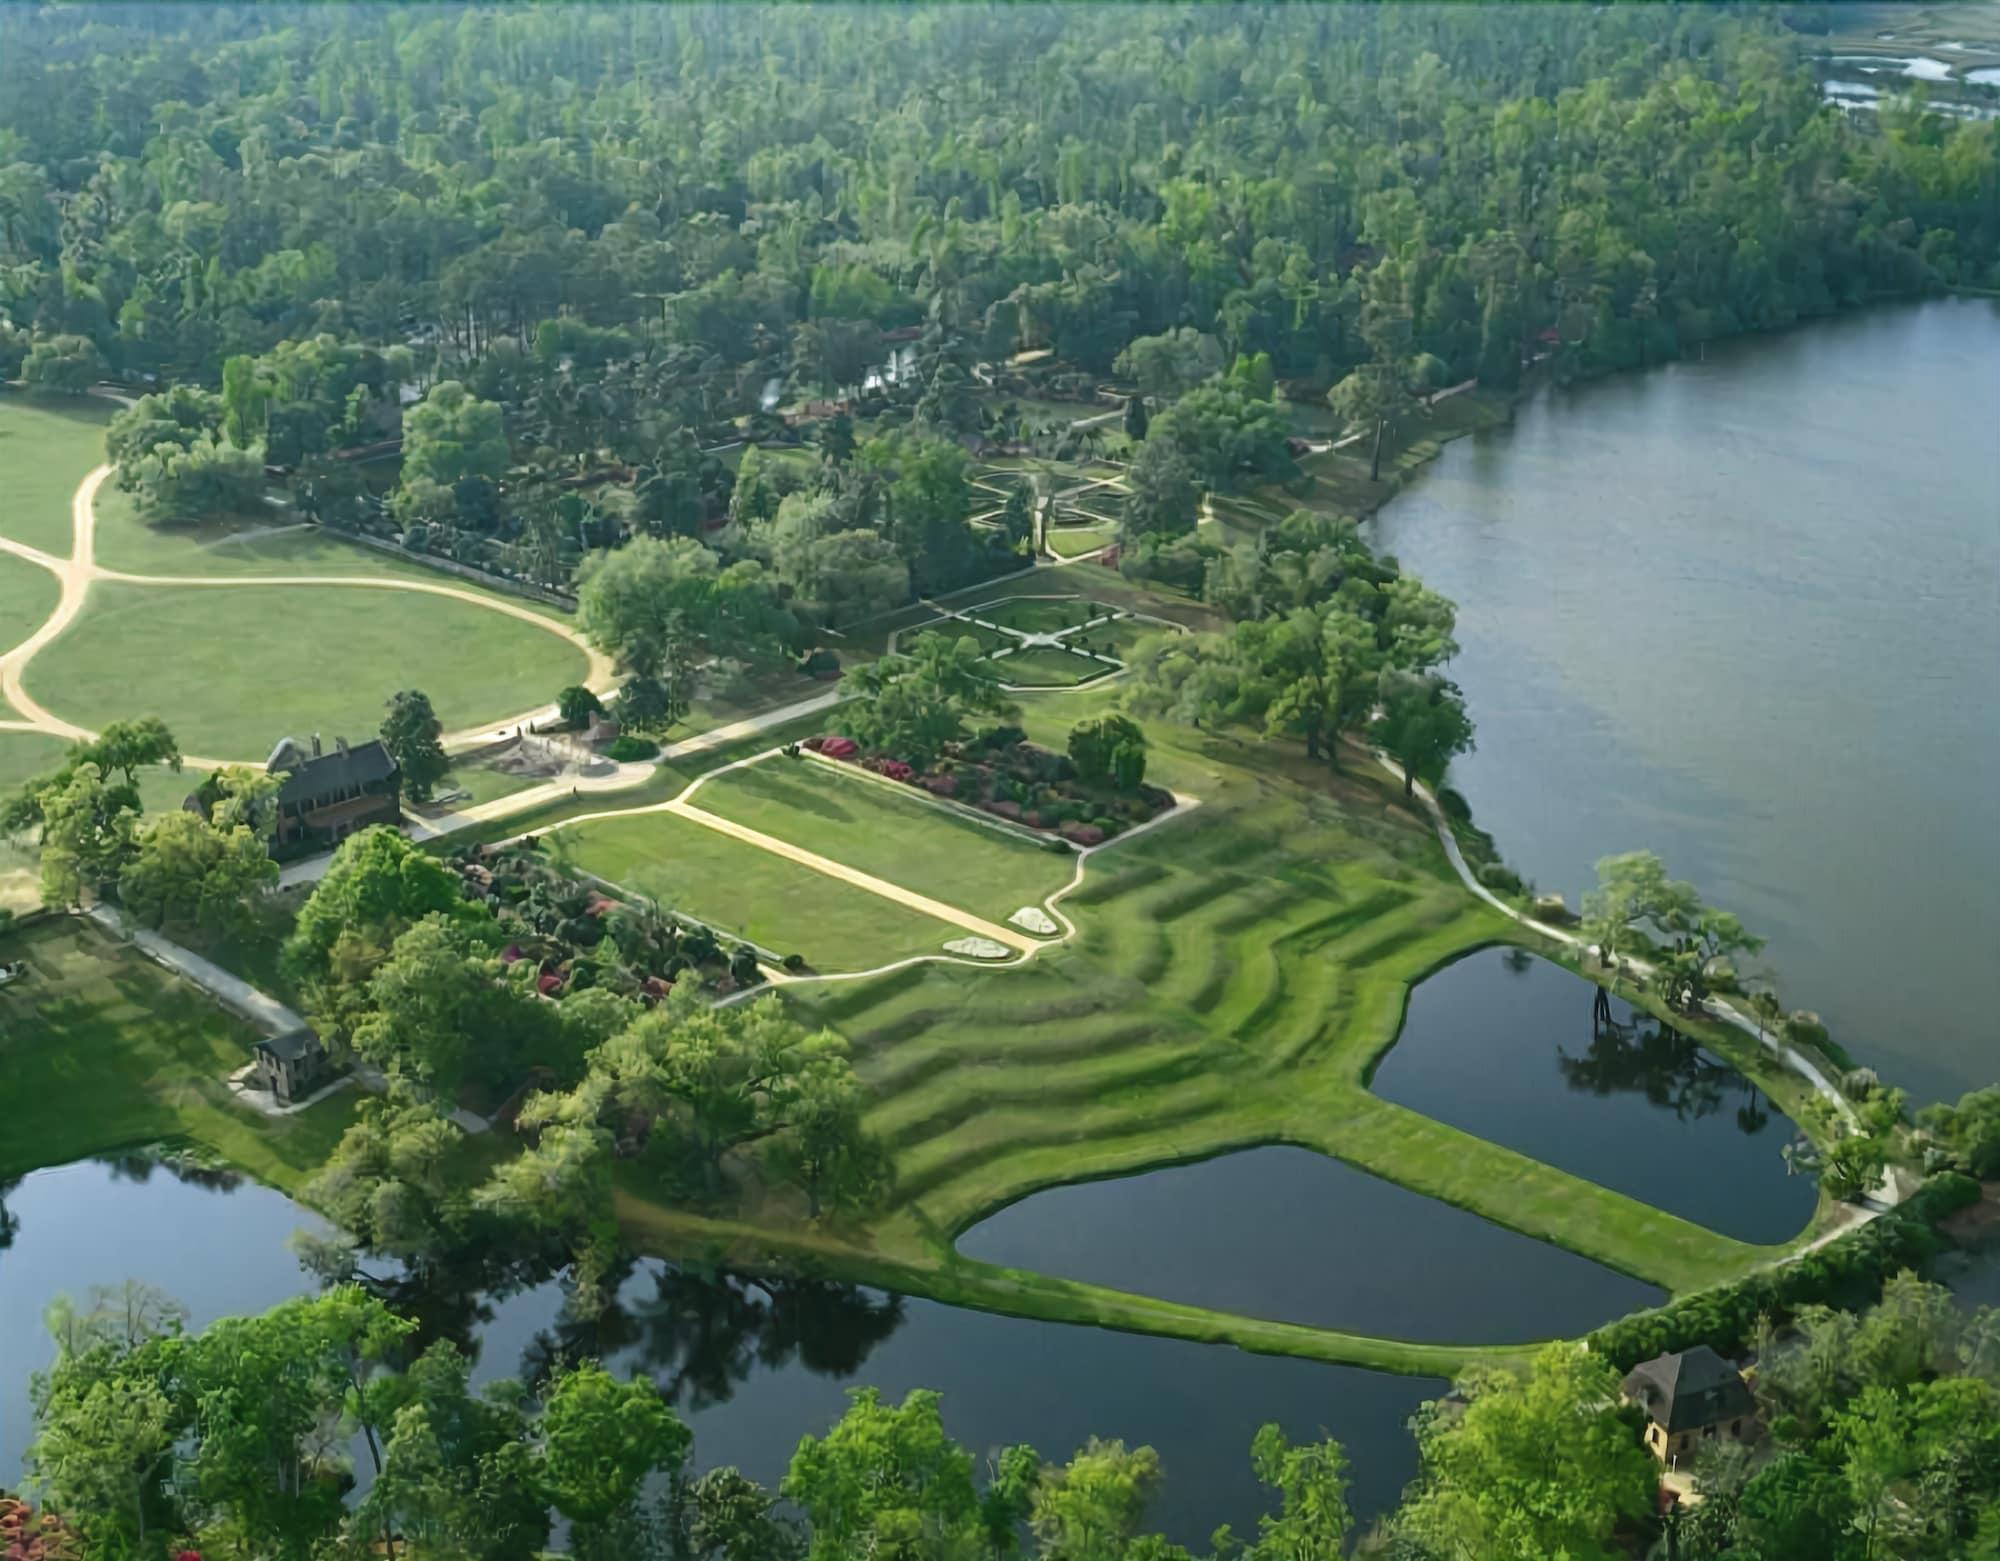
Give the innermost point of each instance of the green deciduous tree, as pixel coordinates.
(186, 871)
(1537, 1466)
(414, 737)
(912, 704)
(1423, 727)
(1164, 499)
(451, 435)
(887, 1480)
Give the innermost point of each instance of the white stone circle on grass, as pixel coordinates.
(1032, 918)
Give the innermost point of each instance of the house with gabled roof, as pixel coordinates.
(1689, 1398)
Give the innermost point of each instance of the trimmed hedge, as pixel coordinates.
(1847, 1272)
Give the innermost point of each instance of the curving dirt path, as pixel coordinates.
(80, 570)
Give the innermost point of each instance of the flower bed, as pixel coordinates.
(565, 933)
(1001, 773)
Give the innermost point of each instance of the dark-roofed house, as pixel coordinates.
(1691, 1398)
(290, 1065)
(329, 796)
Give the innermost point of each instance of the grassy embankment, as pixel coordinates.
(1236, 975)
(102, 1050)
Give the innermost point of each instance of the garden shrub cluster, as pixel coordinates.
(1000, 772)
(579, 937)
(26, 1535)
(1848, 1272)
(627, 749)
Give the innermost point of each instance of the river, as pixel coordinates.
(1745, 612)
(752, 1371)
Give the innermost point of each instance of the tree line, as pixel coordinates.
(331, 1427)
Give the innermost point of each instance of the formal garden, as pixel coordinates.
(1032, 642)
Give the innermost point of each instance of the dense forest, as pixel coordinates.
(612, 241)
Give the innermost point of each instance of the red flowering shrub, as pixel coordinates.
(895, 770)
(815, 744)
(839, 747)
(1082, 834)
(1003, 808)
(939, 785)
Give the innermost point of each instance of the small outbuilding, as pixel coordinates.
(292, 1065)
(1690, 1398)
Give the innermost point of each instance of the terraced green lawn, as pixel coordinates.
(232, 670)
(1234, 977)
(1042, 667)
(46, 448)
(890, 832)
(750, 893)
(102, 1050)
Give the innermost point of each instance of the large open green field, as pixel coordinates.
(781, 905)
(46, 446)
(233, 670)
(904, 838)
(102, 1050)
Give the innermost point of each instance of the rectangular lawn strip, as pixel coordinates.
(47, 447)
(1044, 668)
(907, 840)
(103, 1050)
(1072, 541)
(232, 670)
(749, 893)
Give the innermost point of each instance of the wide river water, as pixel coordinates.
(1745, 612)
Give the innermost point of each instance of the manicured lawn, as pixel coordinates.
(878, 828)
(750, 893)
(1118, 637)
(102, 1050)
(1042, 668)
(28, 595)
(233, 670)
(1073, 541)
(483, 782)
(959, 629)
(46, 447)
(1038, 615)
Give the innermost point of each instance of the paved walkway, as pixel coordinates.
(234, 993)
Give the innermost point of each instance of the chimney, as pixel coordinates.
(315, 745)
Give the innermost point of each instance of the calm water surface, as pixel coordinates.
(1746, 613)
(753, 1370)
(1509, 1047)
(1292, 1235)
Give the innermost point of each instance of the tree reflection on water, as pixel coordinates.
(1640, 1055)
